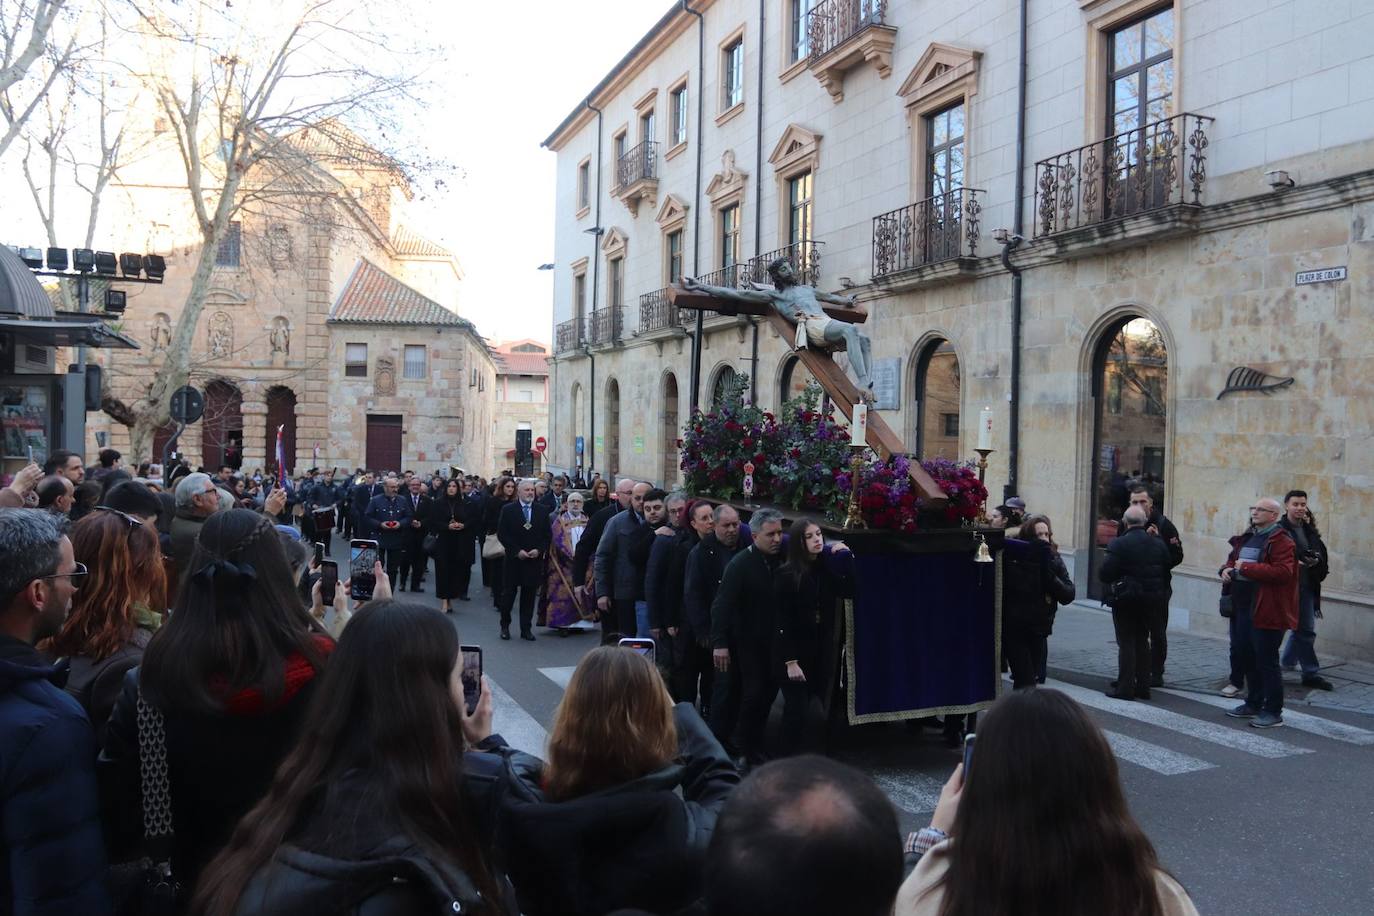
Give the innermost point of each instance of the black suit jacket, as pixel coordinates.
(514, 536)
(420, 513)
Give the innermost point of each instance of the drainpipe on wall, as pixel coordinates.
(758, 207)
(695, 382)
(596, 264)
(1014, 420)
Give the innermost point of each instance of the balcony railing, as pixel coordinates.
(656, 313)
(605, 326)
(638, 164)
(936, 229)
(736, 276)
(568, 336)
(833, 22)
(806, 263)
(1146, 168)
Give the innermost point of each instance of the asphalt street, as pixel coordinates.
(1251, 822)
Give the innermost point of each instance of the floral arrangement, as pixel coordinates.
(716, 445)
(889, 500)
(814, 450)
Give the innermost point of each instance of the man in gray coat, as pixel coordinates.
(618, 579)
(197, 500)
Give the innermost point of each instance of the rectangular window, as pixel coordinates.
(729, 236)
(1140, 73)
(674, 256)
(801, 43)
(799, 213)
(619, 167)
(945, 151)
(615, 280)
(355, 360)
(648, 128)
(414, 361)
(580, 300)
(949, 422)
(584, 186)
(524, 396)
(732, 81)
(230, 248)
(678, 108)
(620, 146)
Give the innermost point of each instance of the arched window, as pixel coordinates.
(670, 431)
(938, 384)
(727, 380)
(612, 458)
(1130, 400)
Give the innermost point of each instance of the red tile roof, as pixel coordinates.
(408, 242)
(373, 296)
(521, 363)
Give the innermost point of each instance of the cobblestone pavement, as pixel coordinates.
(1084, 642)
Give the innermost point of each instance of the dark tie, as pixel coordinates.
(527, 512)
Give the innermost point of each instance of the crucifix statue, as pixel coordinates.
(813, 323)
(801, 304)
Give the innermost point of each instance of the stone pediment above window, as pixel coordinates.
(672, 213)
(942, 68)
(728, 183)
(219, 296)
(845, 34)
(614, 243)
(799, 148)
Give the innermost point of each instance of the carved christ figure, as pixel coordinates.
(801, 304)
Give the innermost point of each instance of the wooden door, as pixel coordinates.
(384, 442)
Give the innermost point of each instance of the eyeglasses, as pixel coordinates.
(77, 573)
(1264, 509)
(133, 520)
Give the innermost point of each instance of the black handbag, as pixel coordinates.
(148, 887)
(1225, 607)
(430, 544)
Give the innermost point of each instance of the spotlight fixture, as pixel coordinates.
(32, 257)
(155, 265)
(131, 264)
(106, 264)
(83, 260)
(57, 259)
(115, 300)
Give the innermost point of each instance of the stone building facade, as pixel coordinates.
(1183, 165)
(522, 401)
(269, 351)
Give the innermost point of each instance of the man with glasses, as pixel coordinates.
(1262, 574)
(49, 812)
(197, 499)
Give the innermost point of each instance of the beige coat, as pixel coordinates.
(918, 895)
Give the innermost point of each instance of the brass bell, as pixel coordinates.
(983, 555)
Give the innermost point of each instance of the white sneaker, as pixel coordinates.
(1230, 690)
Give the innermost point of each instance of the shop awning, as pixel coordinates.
(66, 334)
(20, 291)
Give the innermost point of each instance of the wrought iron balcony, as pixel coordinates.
(736, 276)
(1149, 168)
(805, 257)
(568, 336)
(936, 229)
(842, 34)
(606, 326)
(656, 313)
(636, 175)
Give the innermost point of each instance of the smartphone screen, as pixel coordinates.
(319, 554)
(968, 752)
(329, 581)
(472, 676)
(644, 647)
(362, 558)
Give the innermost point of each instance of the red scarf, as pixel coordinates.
(298, 672)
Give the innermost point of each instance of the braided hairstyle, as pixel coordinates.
(236, 620)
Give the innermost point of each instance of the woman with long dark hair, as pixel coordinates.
(808, 585)
(370, 807)
(502, 492)
(1039, 826)
(231, 672)
(115, 612)
(453, 519)
(600, 497)
(602, 826)
(1061, 587)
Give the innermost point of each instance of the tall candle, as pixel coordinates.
(858, 426)
(985, 429)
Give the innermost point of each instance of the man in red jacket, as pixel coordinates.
(1262, 573)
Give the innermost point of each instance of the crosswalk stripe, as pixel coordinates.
(1152, 756)
(1303, 722)
(521, 730)
(914, 793)
(1213, 732)
(559, 676)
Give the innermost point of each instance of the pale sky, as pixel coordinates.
(516, 72)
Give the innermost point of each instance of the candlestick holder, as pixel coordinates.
(855, 519)
(983, 454)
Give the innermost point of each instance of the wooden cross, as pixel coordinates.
(843, 392)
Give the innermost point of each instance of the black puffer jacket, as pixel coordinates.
(1142, 562)
(706, 564)
(635, 846)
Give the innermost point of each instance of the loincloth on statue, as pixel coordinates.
(811, 332)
